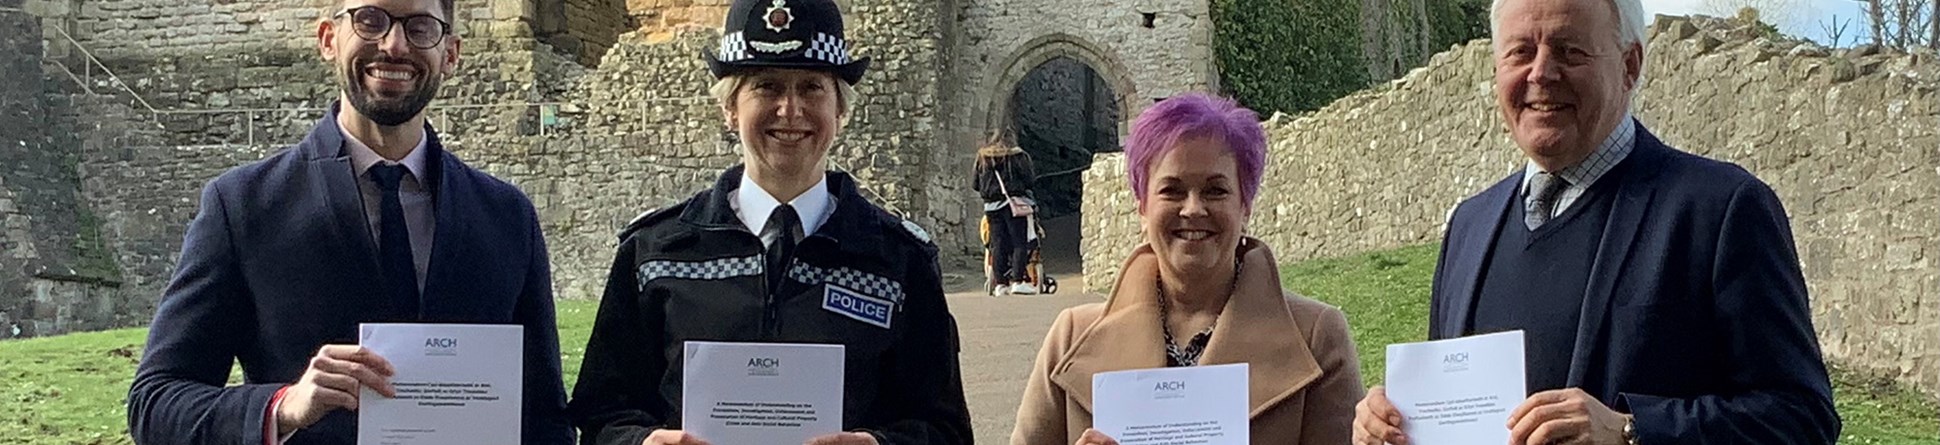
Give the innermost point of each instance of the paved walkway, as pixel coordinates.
(1000, 337)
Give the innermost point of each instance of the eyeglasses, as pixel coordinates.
(422, 31)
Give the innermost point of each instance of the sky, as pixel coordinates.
(1812, 16)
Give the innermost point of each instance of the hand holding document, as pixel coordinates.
(455, 384)
(1457, 391)
(1190, 405)
(761, 393)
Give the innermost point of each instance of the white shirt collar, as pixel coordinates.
(754, 205)
(1614, 149)
(362, 157)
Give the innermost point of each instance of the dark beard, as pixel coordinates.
(389, 112)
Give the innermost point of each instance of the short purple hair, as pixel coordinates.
(1192, 115)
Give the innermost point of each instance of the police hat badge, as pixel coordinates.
(801, 34)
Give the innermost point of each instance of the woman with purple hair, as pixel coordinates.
(1198, 292)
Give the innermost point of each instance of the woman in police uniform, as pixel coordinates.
(758, 257)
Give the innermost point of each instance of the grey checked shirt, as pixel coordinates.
(1583, 174)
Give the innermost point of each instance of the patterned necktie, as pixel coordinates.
(394, 243)
(783, 231)
(1544, 188)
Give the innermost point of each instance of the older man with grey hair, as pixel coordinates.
(1659, 292)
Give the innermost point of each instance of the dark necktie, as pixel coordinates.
(783, 231)
(394, 243)
(1544, 188)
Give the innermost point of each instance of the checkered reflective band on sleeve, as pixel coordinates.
(715, 269)
(866, 283)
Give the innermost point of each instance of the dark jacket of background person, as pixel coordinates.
(1014, 167)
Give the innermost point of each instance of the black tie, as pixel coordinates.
(394, 243)
(783, 231)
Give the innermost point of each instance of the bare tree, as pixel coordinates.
(1875, 19)
(1903, 24)
(1901, 9)
(1835, 30)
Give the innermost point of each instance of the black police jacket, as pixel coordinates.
(693, 272)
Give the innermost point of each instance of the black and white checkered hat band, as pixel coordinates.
(734, 48)
(828, 48)
(864, 282)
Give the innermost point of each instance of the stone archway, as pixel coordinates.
(1044, 48)
(1064, 99)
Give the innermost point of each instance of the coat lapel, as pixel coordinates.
(1126, 337)
(1634, 194)
(328, 160)
(1256, 327)
(1465, 262)
(447, 228)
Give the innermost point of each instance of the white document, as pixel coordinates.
(1189, 405)
(455, 384)
(1457, 391)
(761, 393)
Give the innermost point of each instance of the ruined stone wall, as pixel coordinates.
(581, 29)
(1850, 140)
(662, 19)
(638, 133)
(593, 147)
(55, 274)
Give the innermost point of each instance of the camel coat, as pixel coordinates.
(1304, 376)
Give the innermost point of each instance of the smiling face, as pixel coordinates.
(787, 119)
(387, 81)
(1562, 79)
(1192, 214)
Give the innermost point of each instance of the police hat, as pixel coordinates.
(803, 34)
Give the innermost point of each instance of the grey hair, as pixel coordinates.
(724, 92)
(1630, 29)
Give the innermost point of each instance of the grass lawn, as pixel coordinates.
(69, 390)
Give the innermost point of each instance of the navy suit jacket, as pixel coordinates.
(279, 261)
(1695, 318)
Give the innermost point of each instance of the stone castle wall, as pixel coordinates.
(1849, 139)
(993, 44)
(593, 147)
(662, 19)
(55, 274)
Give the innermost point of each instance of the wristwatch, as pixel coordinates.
(1630, 430)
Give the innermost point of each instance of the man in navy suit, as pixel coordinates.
(1659, 292)
(368, 219)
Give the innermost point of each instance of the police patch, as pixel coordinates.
(855, 305)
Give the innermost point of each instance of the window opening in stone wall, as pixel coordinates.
(1150, 18)
(1063, 112)
(581, 29)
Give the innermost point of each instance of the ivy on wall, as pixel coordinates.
(1298, 55)
(1456, 22)
(1288, 55)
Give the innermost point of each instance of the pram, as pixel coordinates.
(1044, 283)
